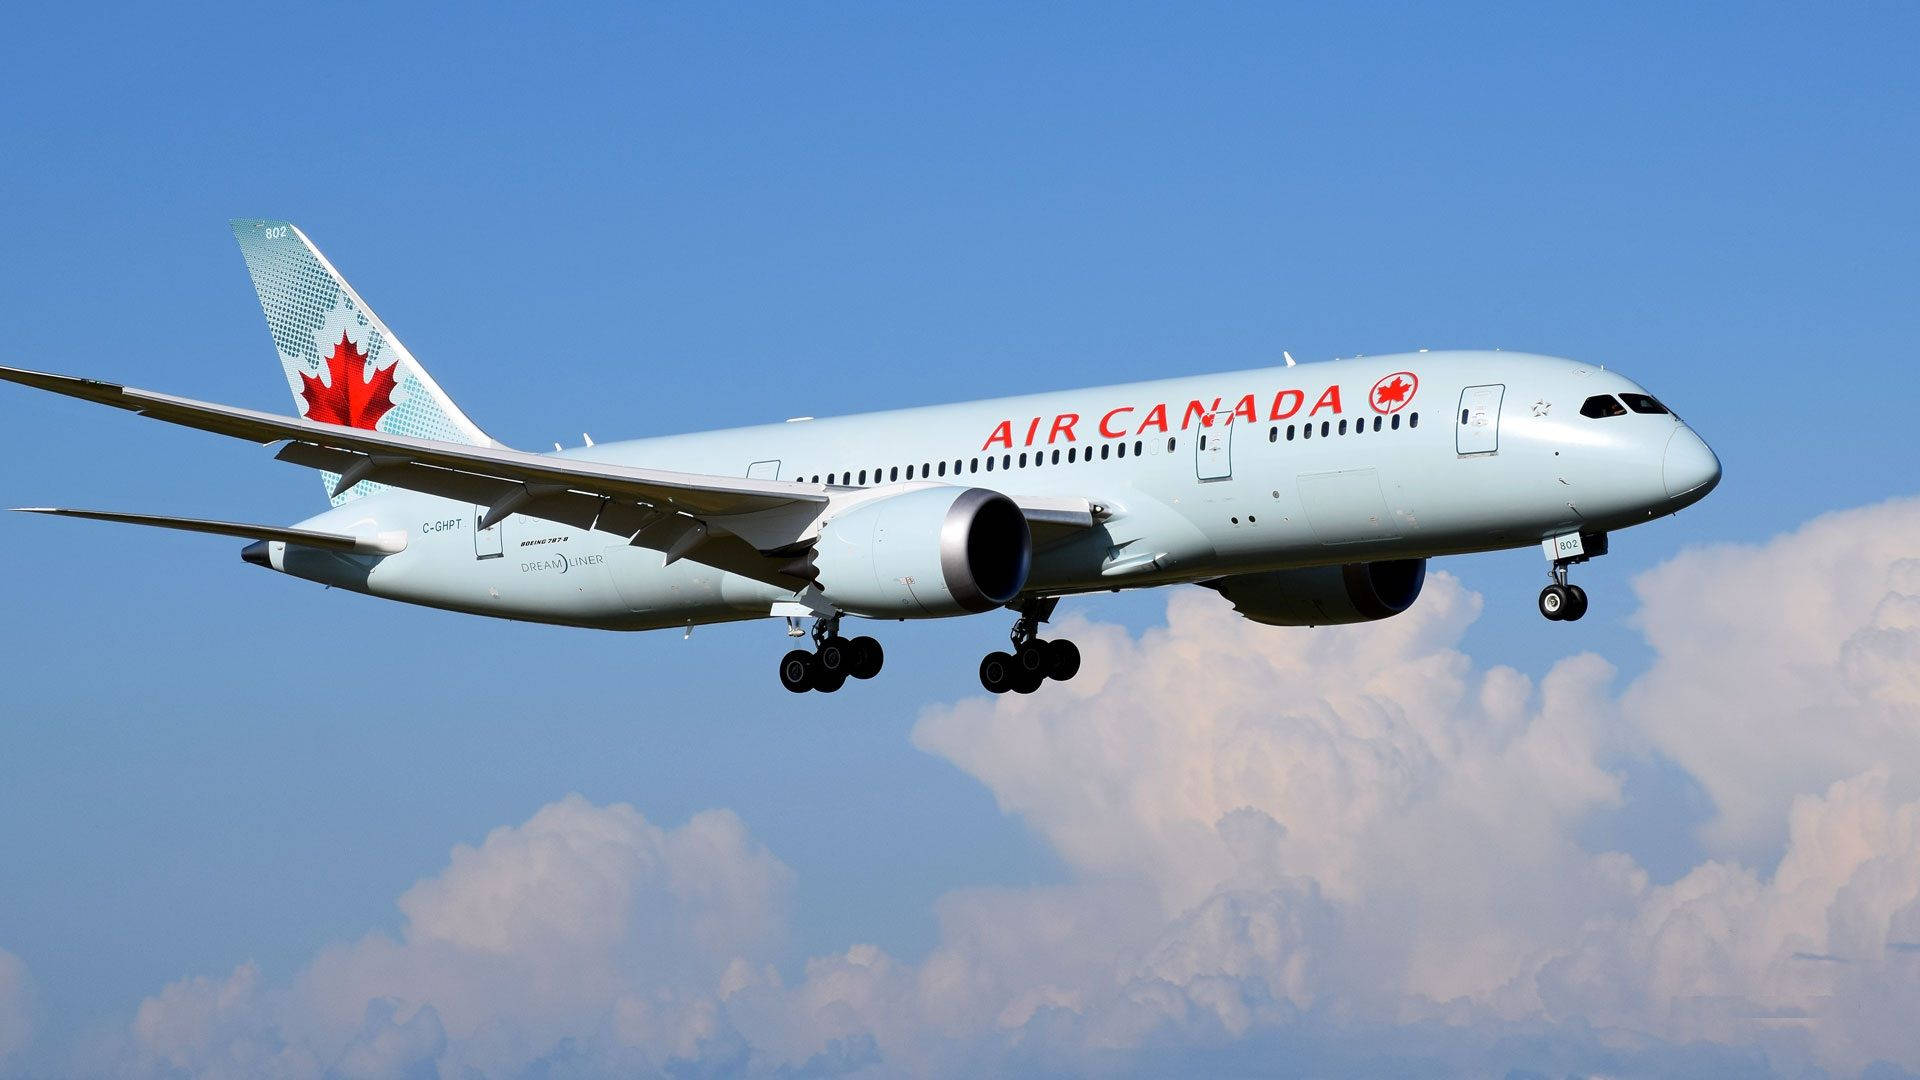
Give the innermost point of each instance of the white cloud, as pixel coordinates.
(16, 1005)
(1351, 847)
(581, 919)
(1786, 666)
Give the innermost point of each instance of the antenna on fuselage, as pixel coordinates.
(1287, 356)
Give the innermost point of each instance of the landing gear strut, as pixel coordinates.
(1562, 601)
(1033, 660)
(832, 662)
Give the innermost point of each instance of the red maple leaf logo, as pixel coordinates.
(351, 401)
(1392, 393)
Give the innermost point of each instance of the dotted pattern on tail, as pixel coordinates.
(308, 306)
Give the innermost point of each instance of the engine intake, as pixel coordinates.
(923, 554)
(1325, 595)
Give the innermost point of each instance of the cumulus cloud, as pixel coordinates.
(16, 1005)
(1352, 849)
(581, 919)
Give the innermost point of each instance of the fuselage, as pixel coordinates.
(1199, 477)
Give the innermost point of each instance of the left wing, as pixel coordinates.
(735, 523)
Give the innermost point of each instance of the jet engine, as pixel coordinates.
(921, 554)
(1325, 595)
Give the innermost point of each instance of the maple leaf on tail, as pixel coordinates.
(352, 401)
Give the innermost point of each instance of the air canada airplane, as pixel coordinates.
(1305, 495)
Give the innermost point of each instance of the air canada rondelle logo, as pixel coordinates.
(354, 399)
(1392, 393)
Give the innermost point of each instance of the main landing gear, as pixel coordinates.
(1033, 660)
(832, 662)
(1562, 601)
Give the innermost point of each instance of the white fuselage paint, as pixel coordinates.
(1523, 465)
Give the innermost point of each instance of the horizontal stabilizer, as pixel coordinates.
(356, 545)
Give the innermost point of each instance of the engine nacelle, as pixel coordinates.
(1325, 595)
(919, 554)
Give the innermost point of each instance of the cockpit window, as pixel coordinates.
(1641, 403)
(1603, 405)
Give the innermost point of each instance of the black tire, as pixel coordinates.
(1031, 659)
(997, 672)
(1554, 602)
(1578, 605)
(835, 656)
(1028, 681)
(867, 658)
(1063, 659)
(797, 671)
(827, 684)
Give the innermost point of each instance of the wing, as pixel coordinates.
(342, 542)
(750, 527)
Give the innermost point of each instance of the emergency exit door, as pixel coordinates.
(1477, 425)
(1213, 448)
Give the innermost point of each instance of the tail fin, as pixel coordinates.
(341, 362)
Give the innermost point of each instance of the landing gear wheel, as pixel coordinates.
(1031, 660)
(836, 656)
(1063, 659)
(867, 658)
(1555, 601)
(1577, 605)
(827, 684)
(797, 671)
(1029, 681)
(997, 672)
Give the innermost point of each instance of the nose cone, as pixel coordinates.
(1689, 468)
(256, 553)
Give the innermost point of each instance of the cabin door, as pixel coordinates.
(1214, 447)
(1477, 430)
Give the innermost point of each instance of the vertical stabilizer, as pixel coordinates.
(341, 362)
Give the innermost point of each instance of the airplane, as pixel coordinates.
(1304, 494)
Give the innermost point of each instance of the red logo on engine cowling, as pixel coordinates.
(1392, 393)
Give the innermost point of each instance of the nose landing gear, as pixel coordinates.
(1562, 601)
(832, 662)
(1033, 660)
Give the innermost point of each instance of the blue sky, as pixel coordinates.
(630, 222)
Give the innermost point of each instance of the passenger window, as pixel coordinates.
(1413, 421)
(1023, 460)
(1006, 461)
(943, 468)
(894, 474)
(1136, 448)
(1306, 431)
(1070, 455)
(1169, 444)
(1396, 422)
(1641, 403)
(989, 464)
(926, 470)
(863, 476)
(1463, 417)
(1325, 428)
(1376, 423)
(1289, 432)
(1600, 406)
(1343, 426)
(973, 464)
(1273, 434)
(1203, 442)
(1104, 447)
(1120, 450)
(1056, 457)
